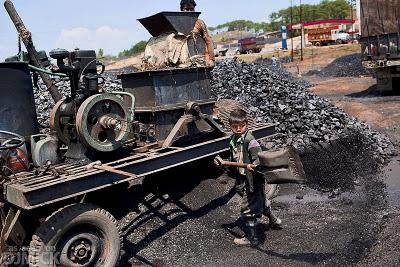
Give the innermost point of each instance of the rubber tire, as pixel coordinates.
(271, 191)
(55, 226)
(339, 42)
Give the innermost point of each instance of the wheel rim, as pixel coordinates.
(83, 249)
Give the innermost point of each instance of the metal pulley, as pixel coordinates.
(62, 121)
(102, 122)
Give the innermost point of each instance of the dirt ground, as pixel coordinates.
(356, 96)
(187, 216)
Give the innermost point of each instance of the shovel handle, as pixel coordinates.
(233, 164)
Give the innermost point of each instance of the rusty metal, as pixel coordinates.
(109, 122)
(90, 129)
(17, 100)
(61, 120)
(26, 37)
(99, 166)
(279, 167)
(165, 22)
(168, 87)
(29, 193)
(193, 115)
(12, 228)
(380, 32)
(378, 21)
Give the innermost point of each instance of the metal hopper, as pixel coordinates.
(164, 22)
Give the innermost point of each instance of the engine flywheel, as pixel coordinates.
(102, 122)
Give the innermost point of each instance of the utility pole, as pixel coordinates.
(302, 30)
(353, 5)
(291, 30)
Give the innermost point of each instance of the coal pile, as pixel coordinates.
(346, 66)
(271, 94)
(340, 165)
(302, 117)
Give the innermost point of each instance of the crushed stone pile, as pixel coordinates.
(302, 117)
(346, 66)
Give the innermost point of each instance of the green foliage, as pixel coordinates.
(243, 25)
(326, 9)
(134, 50)
(100, 53)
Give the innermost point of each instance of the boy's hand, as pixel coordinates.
(250, 167)
(218, 162)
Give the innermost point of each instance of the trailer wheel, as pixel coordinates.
(79, 235)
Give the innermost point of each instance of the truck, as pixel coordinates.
(380, 42)
(52, 185)
(251, 45)
(329, 35)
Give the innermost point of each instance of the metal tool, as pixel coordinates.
(99, 166)
(26, 37)
(280, 167)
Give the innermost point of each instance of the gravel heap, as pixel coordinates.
(302, 117)
(346, 66)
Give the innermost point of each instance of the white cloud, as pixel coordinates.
(110, 39)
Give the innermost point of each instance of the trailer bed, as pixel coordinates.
(29, 192)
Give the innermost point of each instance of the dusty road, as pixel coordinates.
(356, 97)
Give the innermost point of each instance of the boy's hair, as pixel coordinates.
(238, 116)
(188, 2)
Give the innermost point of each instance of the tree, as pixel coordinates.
(326, 9)
(100, 53)
(134, 50)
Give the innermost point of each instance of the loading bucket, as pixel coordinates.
(164, 22)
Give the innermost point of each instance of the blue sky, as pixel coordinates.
(112, 25)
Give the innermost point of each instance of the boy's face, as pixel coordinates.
(239, 128)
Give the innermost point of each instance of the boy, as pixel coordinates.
(244, 148)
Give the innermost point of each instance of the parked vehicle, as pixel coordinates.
(326, 36)
(380, 41)
(52, 185)
(251, 45)
(220, 52)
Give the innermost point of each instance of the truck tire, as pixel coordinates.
(339, 41)
(317, 44)
(221, 54)
(77, 235)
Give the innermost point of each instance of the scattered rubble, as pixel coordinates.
(346, 66)
(302, 117)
